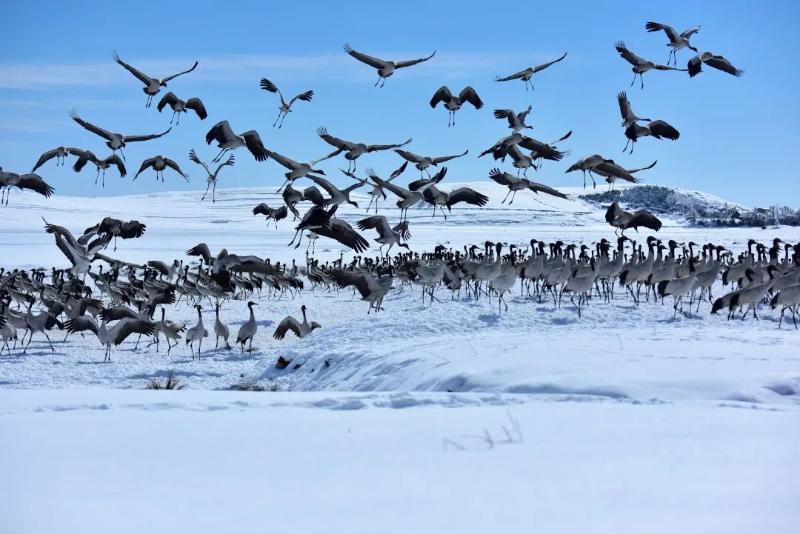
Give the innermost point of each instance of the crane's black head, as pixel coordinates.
(404, 246)
(250, 304)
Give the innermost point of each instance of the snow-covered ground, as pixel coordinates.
(631, 420)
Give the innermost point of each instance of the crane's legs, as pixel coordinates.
(219, 156)
(506, 197)
(277, 118)
(204, 194)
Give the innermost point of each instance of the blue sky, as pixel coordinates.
(738, 139)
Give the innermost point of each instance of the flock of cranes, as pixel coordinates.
(125, 299)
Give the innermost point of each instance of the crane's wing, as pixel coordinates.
(220, 132)
(442, 159)
(468, 94)
(196, 105)
(505, 114)
(643, 168)
(255, 146)
(398, 171)
(323, 183)
(145, 164)
(289, 323)
(168, 99)
(627, 55)
(334, 141)
(672, 35)
(646, 219)
(168, 78)
(691, 31)
(89, 126)
(34, 182)
(144, 78)
(305, 97)
(229, 161)
(659, 129)
(545, 65)
(541, 188)
(442, 94)
(136, 138)
(114, 159)
(377, 222)
(283, 160)
(515, 76)
(408, 156)
(397, 190)
(624, 106)
(364, 58)
(175, 167)
(410, 62)
(44, 158)
(344, 234)
(468, 195)
(193, 157)
(502, 178)
(201, 250)
(720, 63)
(376, 148)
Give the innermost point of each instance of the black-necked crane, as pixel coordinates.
(296, 170)
(387, 234)
(677, 41)
(301, 330)
(211, 177)
(788, 299)
(181, 106)
(31, 182)
(436, 197)
(111, 337)
(385, 68)
(151, 85)
(695, 65)
(197, 333)
(115, 141)
(113, 228)
(633, 131)
(160, 164)
(407, 198)
(371, 288)
(539, 149)
(352, 151)
(526, 75)
(423, 162)
(170, 330)
(101, 165)
(337, 196)
(453, 103)
(623, 220)
(516, 121)
(81, 256)
(285, 107)
(60, 153)
(606, 168)
(377, 191)
(657, 129)
(227, 140)
(221, 330)
(585, 165)
(613, 171)
(515, 184)
(271, 214)
(640, 65)
(248, 329)
(316, 217)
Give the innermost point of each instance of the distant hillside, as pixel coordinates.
(694, 207)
